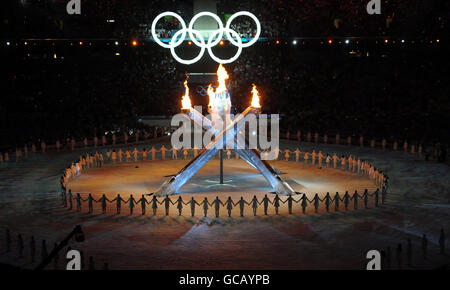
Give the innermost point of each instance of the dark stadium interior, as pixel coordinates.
(390, 80)
(90, 159)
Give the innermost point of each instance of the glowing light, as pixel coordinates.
(116, 43)
(437, 40)
(26, 43)
(8, 43)
(81, 43)
(134, 43)
(117, 54)
(277, 42)
(191, 61)
(330, 41)
(386, 41)
(222, 77)
(403, 41)
(54, 56)
(258, 29)
(238, 52)
(255, 98)
(214, 39)
(186, 100)
(347, 41)
(191, 29)
(211, 95)
(294, 42)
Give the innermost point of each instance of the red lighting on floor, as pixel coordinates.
(134, 43)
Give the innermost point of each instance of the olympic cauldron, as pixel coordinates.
(225, 131)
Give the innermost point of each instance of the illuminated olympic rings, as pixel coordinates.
(195, 36)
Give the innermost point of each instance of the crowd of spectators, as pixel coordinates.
(279, 18)
(382, 93)
(86, 91)
(80, 91)
(304, 18)
(378, 91)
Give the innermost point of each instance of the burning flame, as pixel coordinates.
(222, 76)
(256, 97)
(186, 101)
(211, 95)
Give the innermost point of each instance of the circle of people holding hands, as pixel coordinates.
(350, 163)
(379, 197)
